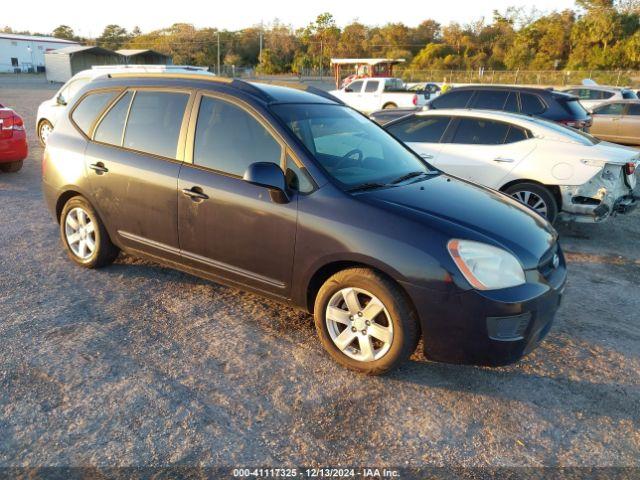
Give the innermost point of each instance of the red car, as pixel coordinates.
(13, 140)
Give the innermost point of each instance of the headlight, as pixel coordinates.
(486, 267)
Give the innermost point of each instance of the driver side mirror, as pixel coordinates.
(60, 100)
(271, 176)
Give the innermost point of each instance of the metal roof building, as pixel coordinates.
(64, 63)
(26, 53)
(144, 57)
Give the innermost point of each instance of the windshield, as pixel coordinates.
(350, 148)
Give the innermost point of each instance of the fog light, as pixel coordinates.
(508, 329)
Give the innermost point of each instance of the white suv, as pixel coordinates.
(50, 110)
(593, 95)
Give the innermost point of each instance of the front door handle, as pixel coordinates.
(99, 168)
(503, 160)
(426, 156)
(195, 193)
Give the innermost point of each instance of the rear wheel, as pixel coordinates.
(44, 130)
(11, 167)
(364, 321)
(389, 105)
(84, 236)
(536, 197)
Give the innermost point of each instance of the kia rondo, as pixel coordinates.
(290, 194)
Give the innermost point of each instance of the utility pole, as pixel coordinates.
(261, 34)
(321, 58)
(218, 53)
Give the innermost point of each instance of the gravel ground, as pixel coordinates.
(139, 365)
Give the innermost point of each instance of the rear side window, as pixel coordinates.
(454, 99)
(475, 131)
(87, 111)
(490, 99)
(611, 109)
(229, 139)
(420, 129)
(371, 86)
(603, 95)
(531, 104)
(154, 122)
(634, 109)
(111, 126)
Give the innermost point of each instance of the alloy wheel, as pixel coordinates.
(359, 324)
(80, 233)
(531, 200)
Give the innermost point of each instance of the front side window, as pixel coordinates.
(229, 139)
(531, 104)
(111, 126)
(87, 111)
(297, 177)
(610, 109)
(155, 119)
(371, 86)
(453, 99)
(476, 131)
(420, 129)
(349, 147)
(490, 99)
(354, 87)
(604, 95)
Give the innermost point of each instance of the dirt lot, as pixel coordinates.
(137, 364)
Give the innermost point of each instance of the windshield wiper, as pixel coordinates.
(367, 186)
(408, 176)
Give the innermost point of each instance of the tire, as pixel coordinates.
(11, 167)
(43, 134)
(104, 251)
(396, 321)
(535, 193)
(389, 105)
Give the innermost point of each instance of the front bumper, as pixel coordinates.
(489, 327)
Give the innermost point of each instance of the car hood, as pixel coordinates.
(460, 209)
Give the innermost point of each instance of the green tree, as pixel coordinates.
(64, 31)
(113, 37)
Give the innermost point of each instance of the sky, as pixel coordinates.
(87, 19)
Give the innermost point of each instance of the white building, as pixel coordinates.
(26, 52)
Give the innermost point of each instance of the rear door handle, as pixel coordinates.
(99, 168)
(426, 156)
(503, 160)
(195, 193)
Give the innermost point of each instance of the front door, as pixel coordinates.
(133, 170)
(226, 226)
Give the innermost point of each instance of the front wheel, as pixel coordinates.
(365, 322)
(11, 167)
(84, 236)
(536, 197)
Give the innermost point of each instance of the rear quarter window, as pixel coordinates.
(89, 108)
(531, 104)
(575, 109)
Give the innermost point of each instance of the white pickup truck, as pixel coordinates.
(371, 94)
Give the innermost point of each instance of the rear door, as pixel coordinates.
(629, 125)
(483, 151)
(231, 228)
(422, 133)
(606, 121)
(133, 164)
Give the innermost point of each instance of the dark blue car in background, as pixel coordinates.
(292, 195)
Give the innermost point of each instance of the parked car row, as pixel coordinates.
(291, 194)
